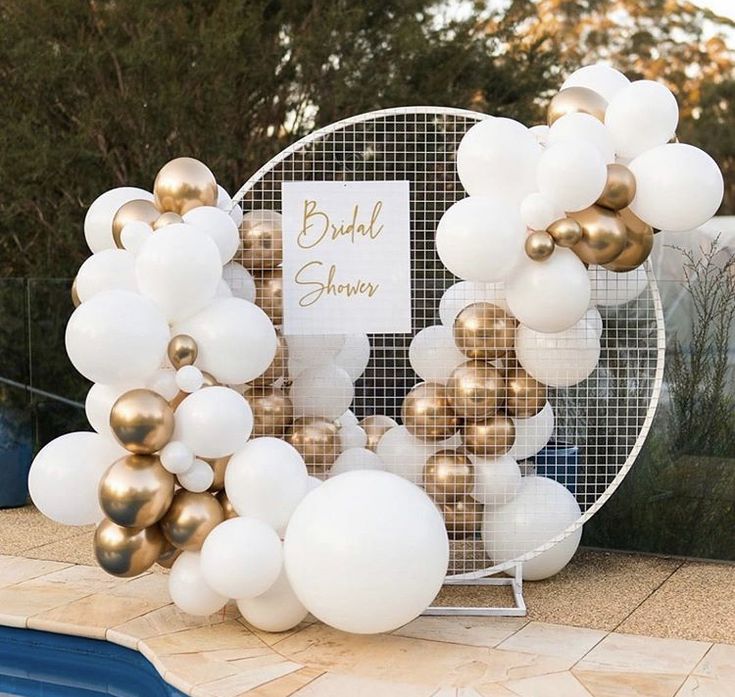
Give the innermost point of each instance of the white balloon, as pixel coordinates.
(560, 359)
(533, 433)
(433, 354)
(117, 337)
(498, 157)
(176, 457)
(322, 390)
(239, 280)
(610, 288)
(109, 269)
(188, 589)
(366, 552)
(678, 187)
(641, 116)
(163, 381)
(404, 454)
(134, 234)
(213, 422)
(572, 173)
(496, 481)
(236, 340)
(198, 478)
(276, 610)
(579, 126)
(98, 221)
(65, 475)
(352, 437)
(600, 78)
(223, 290)
(480, 238)
(312, 483)
(219, 226)
(356, 459)
(98, 404)
(464, 293)
(354, 355)
(549, 295)
(225, 202)
(542, 510)
(594, 319)
(348, 419)
(266, 479)
(539, 211)
(540, 133)
(314, 349)
(241, 558)
(179, 268)
(189, 378)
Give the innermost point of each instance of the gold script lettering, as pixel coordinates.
(320, 288)
(316, 224)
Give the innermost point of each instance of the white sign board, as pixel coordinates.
(346, 258)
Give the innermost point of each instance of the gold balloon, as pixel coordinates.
(183, 184)
(566, 232)
(168, 218)
(137, 209)
(269, 294)
(209, 380)
(74, 294)
(574, 100)
(375, 427)
(191, 517)
(448, 476)
(230, 512)
(603, 235)
(136, 491)
(318, 442)
(126, 552)
(278, 367)
(619, 189)
(142, 421)
(638, 244)
(539, 245)
(272, 412)
(168, 556)
(182, 350)
(484, 331)
(526, 396)
(261, 240)
(427, 412)
(489, 438)
(219, 467)
(463, 518)
(475, 390)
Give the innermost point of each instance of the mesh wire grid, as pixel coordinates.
(600, 423)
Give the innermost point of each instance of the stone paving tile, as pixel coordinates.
(553, 685)
(470, 631)
(570, 643)
(18, 569)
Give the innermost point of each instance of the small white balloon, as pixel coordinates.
(163, 381)
(109, 269)
(225, 202)
(579, 126)
(533, 433)
(198, 478)
(433, 354)
(404, 454)
(322, 390)
(539, 211)
(594, 319)
(276, 610)
(496, 481)
(98, 220)
(464, 293)
(314, 349)
(610, 288)
(223, 290)
(354, 355)
(134, 234)
(98, 405)
(189, 378)
(352, 437)
(356, 459)
(176, 457)
(600, 78)
(239, 280)
(348, 419)
(219, 226)
(188, 589)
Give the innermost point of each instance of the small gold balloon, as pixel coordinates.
(191, 517)
(484, 331)
(318, 442)
(278, 367)
(230, 512)
(574, 100)
(638, 243)
(375, 427)
(566, 232)
(182, 350)
(168, 218)
(272, 412)
(75, 294)
(142, 421)
(475, 390)
(603, 235)
(427, 412)
(489, 438)
(183, 184)
(539, 245)
(219, 467)
(209, 380)
(261, 240)
(269, 294)
(526, 396)
(136, 491)
(137, 209)
(126, 552)
(448, 476)
(619, 189)
(168, 556)
(463, 518)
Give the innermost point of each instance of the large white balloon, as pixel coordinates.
(314, 349)
(549, 295)
(539, 211)
(433, 354)
(241, 558)
(109, 269)
(356, 459)
(163, 381)
(533, 433)
(179, 268)
(354, 355)
(560, 359)
(236, 339)
(678, 187)
(65, 476)
(610, 288)
(117, 337)
(188, 589)
(213, 422)
(98, 221)
(266, 479)
(405, 455)
(480, 238)
(322, 390)
(496, 481)
(366, 552)
(464, 293)
(219, 226)
(542, 509)
(498, 157)
(98, 405)
(276, 610)
(579, 126)
(600, 78)
(239, 280)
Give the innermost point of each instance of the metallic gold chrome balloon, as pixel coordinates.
(168, 556)
(463, 518)
(539, 245)
(137, 209)
(219, 467)
(230, 512)
(603, 235)
(484, 331)
(142, 421)
(209, 380)
(168, 218)
(74, 294)
(269, 294)
(191, 517)
(375, 427)
(278, 367)
(318, 442)
(526, 396)
(638, 243)
(489, 438)
(261, 240)
(182, 350)
(427, 412)
(577, 100)
(126, 552)
(566, 232)
(183, 184)
(475, 390)
(136, 491)
(272, 412)
(448, 476)
(619, 190)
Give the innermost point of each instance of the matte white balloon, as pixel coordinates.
(533, 433)
(176, 457)
(225, 202)
(354, 355)
(594, 319)
(314, 349)
(610, 288)
(433, 354)
(464, 293)
(189, 378)
(348, 419)
(322, 390)
(600, 78)
(312, 483)
(223, 290)
(98, 220)
(188, 589)
(109, 269)
(219, 226)
(198, 478)
(539, 211)
(239, 280)
(98, 405)
(366, 552)
(356, 459)
(540, 133)
(163, 381)
(134, 234)
(579, 126)
(352, 437)
(404, 454)
(496, 481)
(276, 610)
